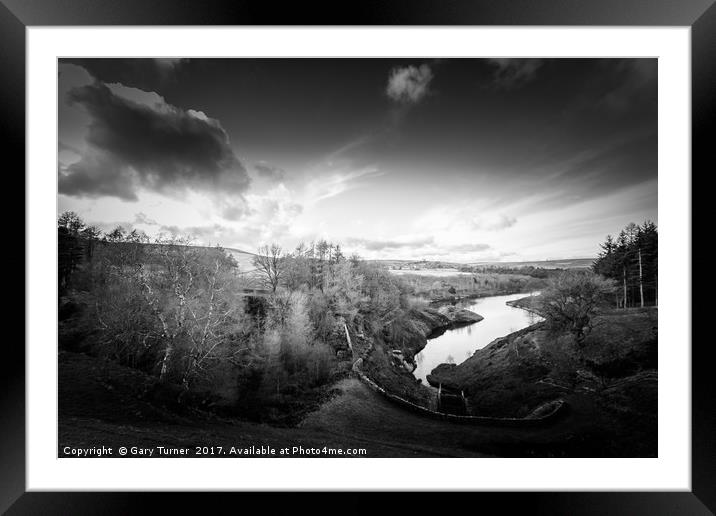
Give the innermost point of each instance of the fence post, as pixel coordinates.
(348, 337)
(440, 391)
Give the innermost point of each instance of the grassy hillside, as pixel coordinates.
(243, 258)
(613, 377)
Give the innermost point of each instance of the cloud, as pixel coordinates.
(493, 222)
(63, 147)
(169, 64)
(141, 218)
(268, 171)
(200, 235)
(637, 83)
(416, 247)
(268, 218)
(382, 245)
(409, 84)
(512, 73)
(468, 248)
(628, 160)
(326, 186)
(135, 140)
(271, 216)
(97, 176)
(461, 252)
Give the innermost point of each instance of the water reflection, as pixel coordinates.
(499, 320)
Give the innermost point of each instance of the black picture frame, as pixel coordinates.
(700, 15)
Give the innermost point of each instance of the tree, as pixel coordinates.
(632, 260)
(116, 235)
(188, 291)
(70, 248)
(92, 234)
(571, 299)
(297, 268)
(214, 316)
(71, 222)
(270, 261)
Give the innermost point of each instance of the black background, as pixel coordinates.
(15, 15)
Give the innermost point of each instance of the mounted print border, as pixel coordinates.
(701, 16)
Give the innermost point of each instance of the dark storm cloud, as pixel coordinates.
(381, 245)
(146, 73)
(511, 73)
(96, 176)
(268, 171)
(158, 147)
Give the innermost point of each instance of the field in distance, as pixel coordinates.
(566, 263)
(439, 269)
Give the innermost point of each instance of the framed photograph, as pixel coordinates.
(410, 249)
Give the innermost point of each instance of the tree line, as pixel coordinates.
(631, 260)
(179, 312)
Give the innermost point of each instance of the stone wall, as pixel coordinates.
(558, 410)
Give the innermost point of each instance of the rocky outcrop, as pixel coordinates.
(427, 320)
(442, 375)
(459, 316)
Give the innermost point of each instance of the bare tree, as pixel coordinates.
(213, 318)
(166, 292)
(269, 261)
(571, 298)
(189, 293)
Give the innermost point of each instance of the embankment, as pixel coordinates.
(544, 414)
(612, 376)
(390, 379)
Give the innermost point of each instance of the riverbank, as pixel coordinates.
(454, 299)
(611, 403)
(429, 322)
(391, 362)
(530, 303)
(612, 377)
(456, 345)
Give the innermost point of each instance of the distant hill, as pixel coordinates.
(437, 268)
(420, 265)
(243, 258)
(566, 263)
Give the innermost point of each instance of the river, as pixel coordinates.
(457, 345)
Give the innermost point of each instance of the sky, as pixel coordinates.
(462, 160)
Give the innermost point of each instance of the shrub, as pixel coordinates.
(570, 300)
